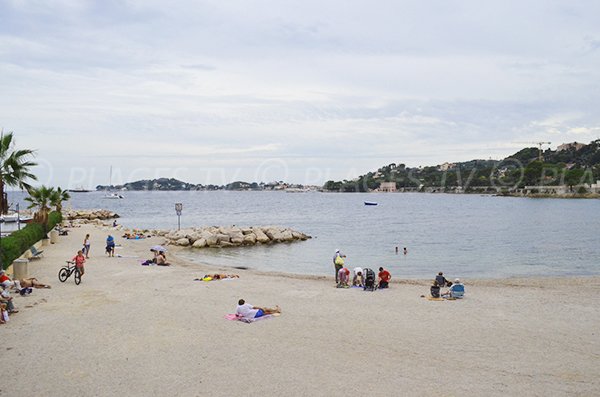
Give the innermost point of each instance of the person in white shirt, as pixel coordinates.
(358, 278)
(247, 311)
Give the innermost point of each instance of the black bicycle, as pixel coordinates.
(65, 272)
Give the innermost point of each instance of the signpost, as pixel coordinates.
(178, 208)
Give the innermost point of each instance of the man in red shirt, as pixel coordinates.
(384, 278)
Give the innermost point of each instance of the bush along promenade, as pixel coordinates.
(232, 236)
(17, 243)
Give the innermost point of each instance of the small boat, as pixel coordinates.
(370, 203)
(11, 218)
(110, 194)
(113, 195)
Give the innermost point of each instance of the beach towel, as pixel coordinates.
(431, 298)
(234, 317)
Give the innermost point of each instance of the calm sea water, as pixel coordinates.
(462, 235)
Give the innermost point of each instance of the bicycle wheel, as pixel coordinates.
(77, 277)
(63, 274)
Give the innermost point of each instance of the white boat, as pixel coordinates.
(109, 194)
(11, 218)
(113, 195)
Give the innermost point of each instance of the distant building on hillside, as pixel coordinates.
(446, 166)
(572, 145)
(387, 187)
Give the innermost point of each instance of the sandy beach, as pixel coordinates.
(133, 330)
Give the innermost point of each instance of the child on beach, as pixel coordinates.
(86, 246)
(79, 260)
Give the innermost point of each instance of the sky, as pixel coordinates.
(300, 91)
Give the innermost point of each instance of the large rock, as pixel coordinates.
(223, 238)
(286, 235)
(200, 243)
(212, 240)
(261, 237)
(184, 242)
(249, 239)
(236, 237)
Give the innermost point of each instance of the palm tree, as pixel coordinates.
(41, 198)
(14, 168)
(58, 197)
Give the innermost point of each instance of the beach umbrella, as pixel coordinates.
(158, 248)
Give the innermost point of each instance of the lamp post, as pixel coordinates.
(178, 208)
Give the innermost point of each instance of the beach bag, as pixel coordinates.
(5, 315)
(339, 260)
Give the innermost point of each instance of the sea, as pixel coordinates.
(466, 236)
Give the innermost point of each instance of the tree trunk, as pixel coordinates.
(3, 199)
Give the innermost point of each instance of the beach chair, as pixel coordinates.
(35, 253)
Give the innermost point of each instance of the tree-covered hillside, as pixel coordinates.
(571, 166)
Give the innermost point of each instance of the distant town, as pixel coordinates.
(171, 184)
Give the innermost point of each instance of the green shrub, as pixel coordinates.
(54, 218)
(13, 246)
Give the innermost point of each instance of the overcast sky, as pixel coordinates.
(306, 91)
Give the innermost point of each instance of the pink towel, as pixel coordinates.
(234, 317)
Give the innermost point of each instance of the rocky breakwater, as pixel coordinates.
(89, 215)
(233, 236)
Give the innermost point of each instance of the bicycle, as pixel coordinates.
(65, 272)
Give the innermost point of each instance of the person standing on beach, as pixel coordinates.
(338, 263)
(110, 245)
(86, 246)
(79, 260)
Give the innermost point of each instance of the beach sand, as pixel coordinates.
(132, 330)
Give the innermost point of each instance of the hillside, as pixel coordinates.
(572, 165)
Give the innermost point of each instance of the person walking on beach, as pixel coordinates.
(338, 263)
(79, 260)
(86, 246)
(248, 312)
(110, 245)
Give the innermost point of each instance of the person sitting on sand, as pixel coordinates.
(6, 281)
(457, 290)
(441, 280)
(435, 289)
(248, 312)
(384, 278)
(3, 313)
(32, 282)
(358, 279)
(343, 277)
(6, 299)
(161, 259)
